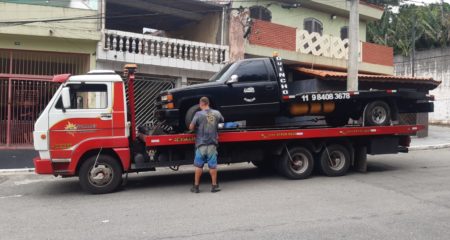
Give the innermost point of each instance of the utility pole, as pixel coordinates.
(413, 48)
(353, 51)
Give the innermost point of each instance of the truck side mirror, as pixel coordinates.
(233, 79)
(66, 97)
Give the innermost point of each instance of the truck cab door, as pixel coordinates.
(254, 94)
(89, 116)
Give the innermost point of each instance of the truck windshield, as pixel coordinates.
(219, 75)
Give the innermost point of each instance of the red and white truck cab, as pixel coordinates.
(87, 113)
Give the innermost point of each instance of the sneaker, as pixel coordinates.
(195, 189)
(215, 188)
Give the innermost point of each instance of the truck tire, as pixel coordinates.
(298, 163)
(106, 177)
(336, 121)
(190, 115)
(377, 113)
(334, 160)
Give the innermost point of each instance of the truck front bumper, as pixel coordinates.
(43, 166)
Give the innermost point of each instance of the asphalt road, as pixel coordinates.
(403, 196)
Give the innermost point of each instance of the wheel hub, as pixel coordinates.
(299, 163)
(379, 114)
(336, 160)
(101, 175)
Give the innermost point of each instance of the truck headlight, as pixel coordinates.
(168, 106)
(167, 98)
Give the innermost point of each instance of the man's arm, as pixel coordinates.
(193, 122)
(221, 120)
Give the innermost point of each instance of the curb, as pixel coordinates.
(17, 170)
(429, 147)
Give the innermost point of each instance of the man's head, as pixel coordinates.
(204, 103)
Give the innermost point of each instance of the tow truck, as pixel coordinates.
(88, 129)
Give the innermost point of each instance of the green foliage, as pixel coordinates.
(430, 23)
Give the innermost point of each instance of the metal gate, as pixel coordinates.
(26, 88)
(146, 90)
(17, 116)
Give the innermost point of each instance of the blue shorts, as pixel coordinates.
(206, 154)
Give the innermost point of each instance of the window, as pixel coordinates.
(252, 71)
(344, 32)
(220, 75)
(261, 13)
(86, 96)
(313, 25)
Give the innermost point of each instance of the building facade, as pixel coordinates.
(312, 34)
(174, 43)
(430, 63)
(39, 39)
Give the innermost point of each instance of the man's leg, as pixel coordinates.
(198, 174)
(198, 163)
(213, 173)
(212, 165)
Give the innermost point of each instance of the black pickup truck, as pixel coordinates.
(256, 90)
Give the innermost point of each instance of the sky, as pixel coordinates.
(420, 2)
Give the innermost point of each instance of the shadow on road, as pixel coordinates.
(187, 177)
(160, 179)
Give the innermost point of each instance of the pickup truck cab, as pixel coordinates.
(257, 91)
(247, 89)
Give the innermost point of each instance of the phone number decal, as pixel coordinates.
(324, 96)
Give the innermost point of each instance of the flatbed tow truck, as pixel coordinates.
(87, 130)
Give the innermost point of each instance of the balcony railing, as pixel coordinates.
(170, 52)
(323, 45)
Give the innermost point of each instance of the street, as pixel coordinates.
(405, 196)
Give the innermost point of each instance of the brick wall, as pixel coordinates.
(272, 35)
(377, 54)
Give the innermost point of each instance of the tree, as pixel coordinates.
(430, 23)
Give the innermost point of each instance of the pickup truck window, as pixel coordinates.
(221, 74)
(252, 71)
(86, 96)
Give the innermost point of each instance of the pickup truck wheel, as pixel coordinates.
(377, 113)
(298, 163)
(104, 177)
(190, 115)
(335, 160)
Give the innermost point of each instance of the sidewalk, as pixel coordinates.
(438, 137)
(21, 160)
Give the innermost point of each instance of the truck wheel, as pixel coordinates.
(336, 121)
(190, 115)
(377, 113)
(335, 160)
(298, 163)
(105, 177)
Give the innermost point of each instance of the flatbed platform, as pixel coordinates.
(249, 135)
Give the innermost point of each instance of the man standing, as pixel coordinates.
(205, 123)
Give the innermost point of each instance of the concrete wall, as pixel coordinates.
(207, 30)
(431, 63)
(49, 44)
(79, 36)
(294, 17)
(86, 29)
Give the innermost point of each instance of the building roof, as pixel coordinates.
(332, 75)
